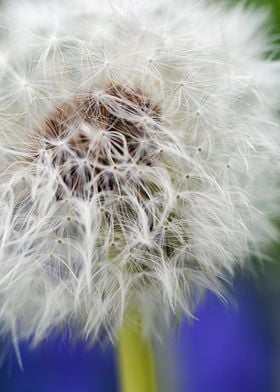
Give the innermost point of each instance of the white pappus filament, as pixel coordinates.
(139, 158)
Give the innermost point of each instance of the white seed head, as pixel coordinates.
(139, 158)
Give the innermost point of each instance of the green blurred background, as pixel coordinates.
(273, 6)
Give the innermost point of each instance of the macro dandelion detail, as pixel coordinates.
(139, 159)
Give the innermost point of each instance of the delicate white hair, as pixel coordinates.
(139, 158)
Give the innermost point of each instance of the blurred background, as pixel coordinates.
(232, 347)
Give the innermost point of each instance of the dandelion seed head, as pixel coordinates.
(139, 159)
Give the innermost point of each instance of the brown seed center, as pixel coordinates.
(94, 142)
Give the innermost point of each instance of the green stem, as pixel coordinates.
(135, 357)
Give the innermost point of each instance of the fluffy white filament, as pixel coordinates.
(139, 158)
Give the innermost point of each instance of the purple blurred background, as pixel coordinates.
(232, 347)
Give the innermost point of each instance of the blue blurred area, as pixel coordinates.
(231, 348)
(58, 366)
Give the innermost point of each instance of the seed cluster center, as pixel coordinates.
(95, 143)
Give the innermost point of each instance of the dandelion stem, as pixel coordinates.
(135, 357)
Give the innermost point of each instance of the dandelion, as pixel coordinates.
(139, 157)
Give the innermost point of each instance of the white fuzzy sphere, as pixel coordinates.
(139, 154)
